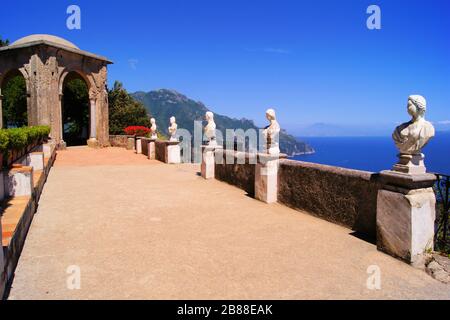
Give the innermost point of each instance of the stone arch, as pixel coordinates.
(4, 78)
(86, 77)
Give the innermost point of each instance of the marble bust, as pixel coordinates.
(173, 129)
(272, 133)
(210, 129)
(412, 136)
(153, 129)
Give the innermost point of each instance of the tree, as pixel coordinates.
(76, 112)
(4, 43)
(124, 111)
(15, 102)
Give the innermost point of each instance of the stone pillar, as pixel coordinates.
(62, 143)
(406, 215)
(130, 144)
(152, 149)
(208, 161)
(20, 181)
(138, 145)
(266, 177)
(173, 152)
(93, 142)
(36, 160)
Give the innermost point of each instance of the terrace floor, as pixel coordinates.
(140, 229)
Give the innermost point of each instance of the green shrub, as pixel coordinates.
(18, 138)
(4, 140)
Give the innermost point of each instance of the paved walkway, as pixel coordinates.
(140, 229)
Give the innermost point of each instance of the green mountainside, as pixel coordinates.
(163, 103)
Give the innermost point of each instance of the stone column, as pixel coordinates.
(130, 144)
(93, 142)
(62, 143)
(406, 215)
(266, 177)
(208, 161)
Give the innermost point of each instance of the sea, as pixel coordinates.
(374, 153)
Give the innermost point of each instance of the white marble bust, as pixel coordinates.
(173, 129)
(412, 136)
(153, 129)
(272, 133)
(210, 129)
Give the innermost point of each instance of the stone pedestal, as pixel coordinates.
(36, 160)
(208, 161)
(406, 215)
(411, 164)
(19, 182)
(93, 143)
(130, 144)
(138, 146)
(266, 177)
(173, 152)
(152, 149)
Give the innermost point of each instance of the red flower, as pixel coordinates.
(137, 131)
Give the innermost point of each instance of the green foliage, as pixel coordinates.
(15, 102)
(4, 140)
(124, 111)
(4, 43)
(19, 138)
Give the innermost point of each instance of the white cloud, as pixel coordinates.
(444, 122)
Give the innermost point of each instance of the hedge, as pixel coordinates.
(20, 138)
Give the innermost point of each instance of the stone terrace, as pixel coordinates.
(141, 229)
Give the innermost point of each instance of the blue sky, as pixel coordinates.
(314, 61)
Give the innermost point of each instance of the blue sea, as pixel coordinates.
(374, 153)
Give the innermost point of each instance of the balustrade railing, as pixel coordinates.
(442, 190)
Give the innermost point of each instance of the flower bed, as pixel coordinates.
(137, 131)
(16, 142)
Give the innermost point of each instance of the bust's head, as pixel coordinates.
(209, 116)
(270, 115)
(172, 120)
(417, 106)
(152, 121)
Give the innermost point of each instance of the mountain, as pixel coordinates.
(163, 104)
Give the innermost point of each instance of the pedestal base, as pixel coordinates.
(152, 150)
(93, 143)
(266, 177)
(411, 164)
(405, 223)
(138, 146)
(130, 144)
(209, 161)
(173, 155)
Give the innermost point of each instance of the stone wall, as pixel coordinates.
(119, 140)
(343, 196)
(240, 175)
